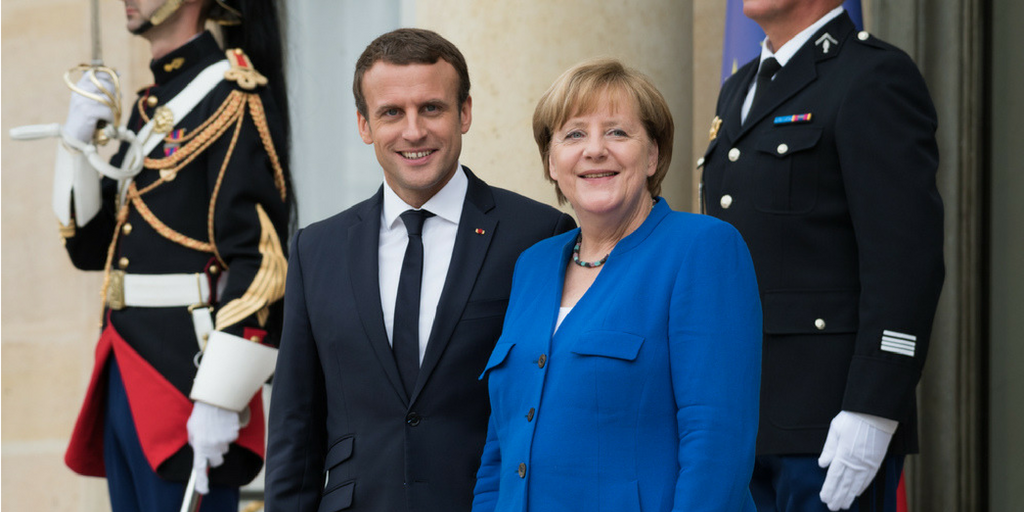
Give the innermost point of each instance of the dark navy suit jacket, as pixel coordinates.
(339, 412)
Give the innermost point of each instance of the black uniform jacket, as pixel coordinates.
(339, 412)
(844, 223)
(221, 213)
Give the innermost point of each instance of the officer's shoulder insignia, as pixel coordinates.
(242, 71)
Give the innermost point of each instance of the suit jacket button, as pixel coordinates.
(542, 360)
(783, 148)
(734, 154)
(522, 470)
(413, 419)
(529, 415)
(819, 324)
(726, 201)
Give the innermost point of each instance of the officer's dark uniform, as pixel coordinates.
(211, 200)
(831, 182)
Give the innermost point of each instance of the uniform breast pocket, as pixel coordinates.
(787, 182)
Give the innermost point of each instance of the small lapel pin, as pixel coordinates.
(480, 231)
(797, 118)
(716, 123)
(825, 42)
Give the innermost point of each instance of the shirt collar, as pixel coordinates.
(446, 203)
(789, 49)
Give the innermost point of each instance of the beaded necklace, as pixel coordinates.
(585, 264)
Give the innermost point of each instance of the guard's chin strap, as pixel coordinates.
(159, 16)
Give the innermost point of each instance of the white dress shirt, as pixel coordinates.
(438, 243)
(785, 53)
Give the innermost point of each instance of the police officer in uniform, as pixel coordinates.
(823, 155)
(187, 224)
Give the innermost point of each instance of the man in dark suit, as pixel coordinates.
(823, 155)
(377, 404)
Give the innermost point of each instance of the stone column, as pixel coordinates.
(51, 311)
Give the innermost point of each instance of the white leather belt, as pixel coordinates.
(157, 290)
(165, 291)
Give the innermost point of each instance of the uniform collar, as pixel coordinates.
(184, 58)
(786, 52)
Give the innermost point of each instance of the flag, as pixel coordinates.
(743, 36)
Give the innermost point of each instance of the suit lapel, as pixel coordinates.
(473, 238)
(363, 244)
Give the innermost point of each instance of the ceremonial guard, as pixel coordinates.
(823, 155)
(186, 225)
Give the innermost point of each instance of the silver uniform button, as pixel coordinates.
(819, 324)
(734, 154)
(863, 35)
(726, 201)
(782, 149)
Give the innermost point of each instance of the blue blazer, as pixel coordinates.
(646, 398)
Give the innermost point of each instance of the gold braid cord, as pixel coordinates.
(230, 113)
(165, 230)
(268, 284)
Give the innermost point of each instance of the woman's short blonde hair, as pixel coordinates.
(580, 90)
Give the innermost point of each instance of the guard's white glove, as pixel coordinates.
(211, 430)
(85, 113)
(854, 449)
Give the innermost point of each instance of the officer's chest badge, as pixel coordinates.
(716, 123)
(163, 120)
(173, 141)
(795, 118)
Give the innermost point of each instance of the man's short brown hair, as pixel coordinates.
(409, 46)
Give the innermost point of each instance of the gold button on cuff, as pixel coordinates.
(543, 359)
(726, 201)
(734, 154)
(782, 149)
(122, 263)
(819, 324)
(127, 228)
(529, 415)
(863, 35)
(522, 470)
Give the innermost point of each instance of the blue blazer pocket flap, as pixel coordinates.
(338, 498)
(339, 452)
(614, 344)
(498, 356)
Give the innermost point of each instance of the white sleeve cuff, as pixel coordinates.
(232, 370)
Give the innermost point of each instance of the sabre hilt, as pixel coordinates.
(110, 98)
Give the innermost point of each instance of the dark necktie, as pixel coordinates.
(769, 67)
(405, 338)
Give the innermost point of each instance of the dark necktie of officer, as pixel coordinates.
(769, 67)
(405, 338)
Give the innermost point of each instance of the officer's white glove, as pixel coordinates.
(85, 113)
(854, 449)
(211, 430)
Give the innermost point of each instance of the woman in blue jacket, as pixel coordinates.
(627, 374)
